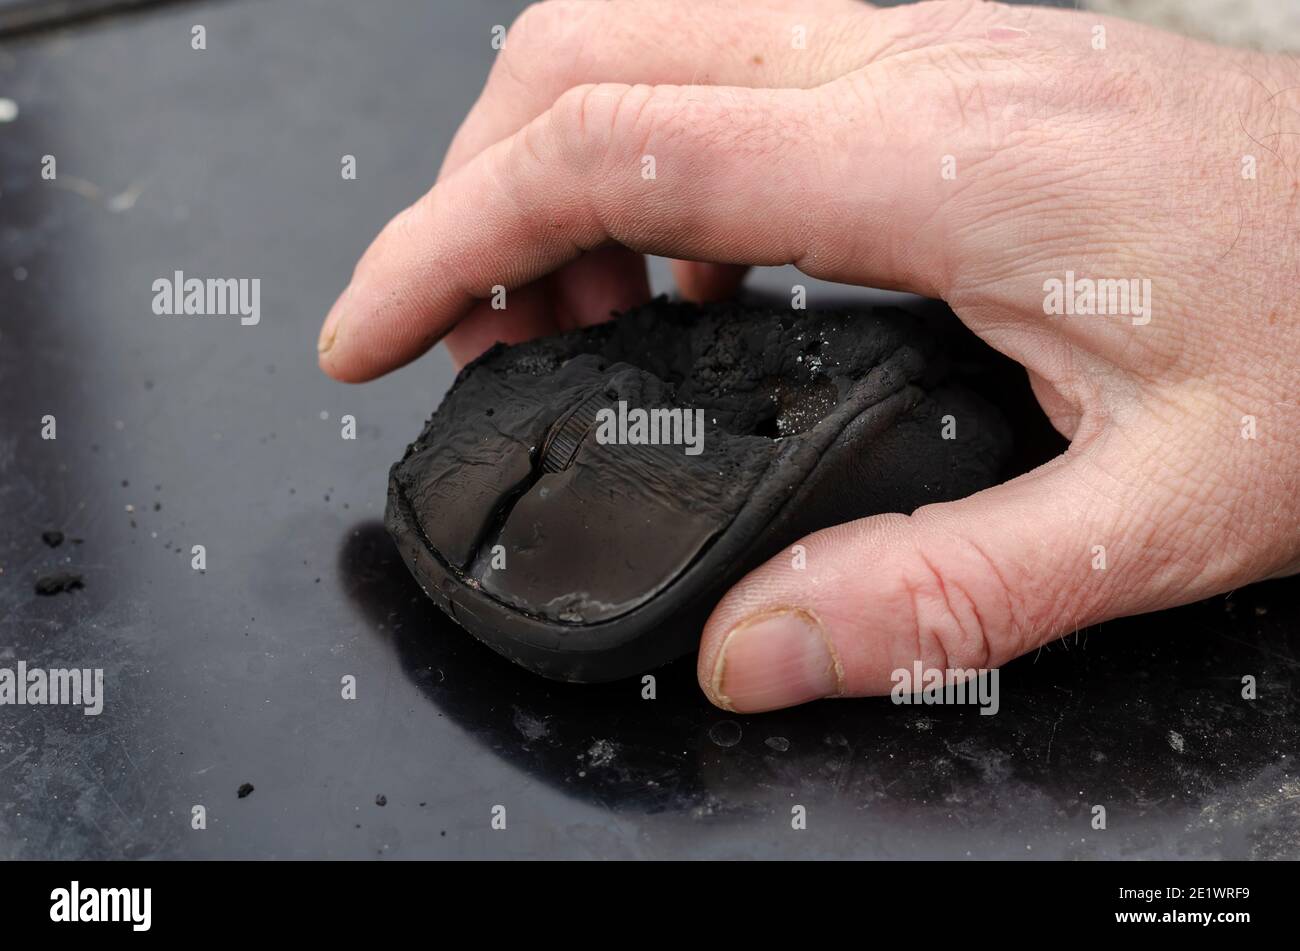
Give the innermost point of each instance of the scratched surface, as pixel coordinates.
(226, 163)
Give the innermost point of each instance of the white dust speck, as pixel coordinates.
(8, 110)
(1176, 741)
(602, 753)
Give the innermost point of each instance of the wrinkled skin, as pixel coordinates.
(1122, 162)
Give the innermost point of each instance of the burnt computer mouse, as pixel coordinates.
(581, 502)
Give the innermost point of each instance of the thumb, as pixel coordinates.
(957, 585)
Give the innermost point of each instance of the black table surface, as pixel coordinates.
(173, 433)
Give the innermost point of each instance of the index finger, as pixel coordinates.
(732, 175)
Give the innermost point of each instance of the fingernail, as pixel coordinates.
(332, 321)
(773, 660)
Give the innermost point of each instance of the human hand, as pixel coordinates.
(967, 151)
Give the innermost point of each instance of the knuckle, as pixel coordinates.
(552, 170)
(575, 123)
(961, 611)
(590, 121)
(569, 114)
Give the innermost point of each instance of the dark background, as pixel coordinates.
(225, 162)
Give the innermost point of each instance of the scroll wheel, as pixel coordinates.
(567, 434)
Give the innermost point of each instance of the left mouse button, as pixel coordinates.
(455, 498)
